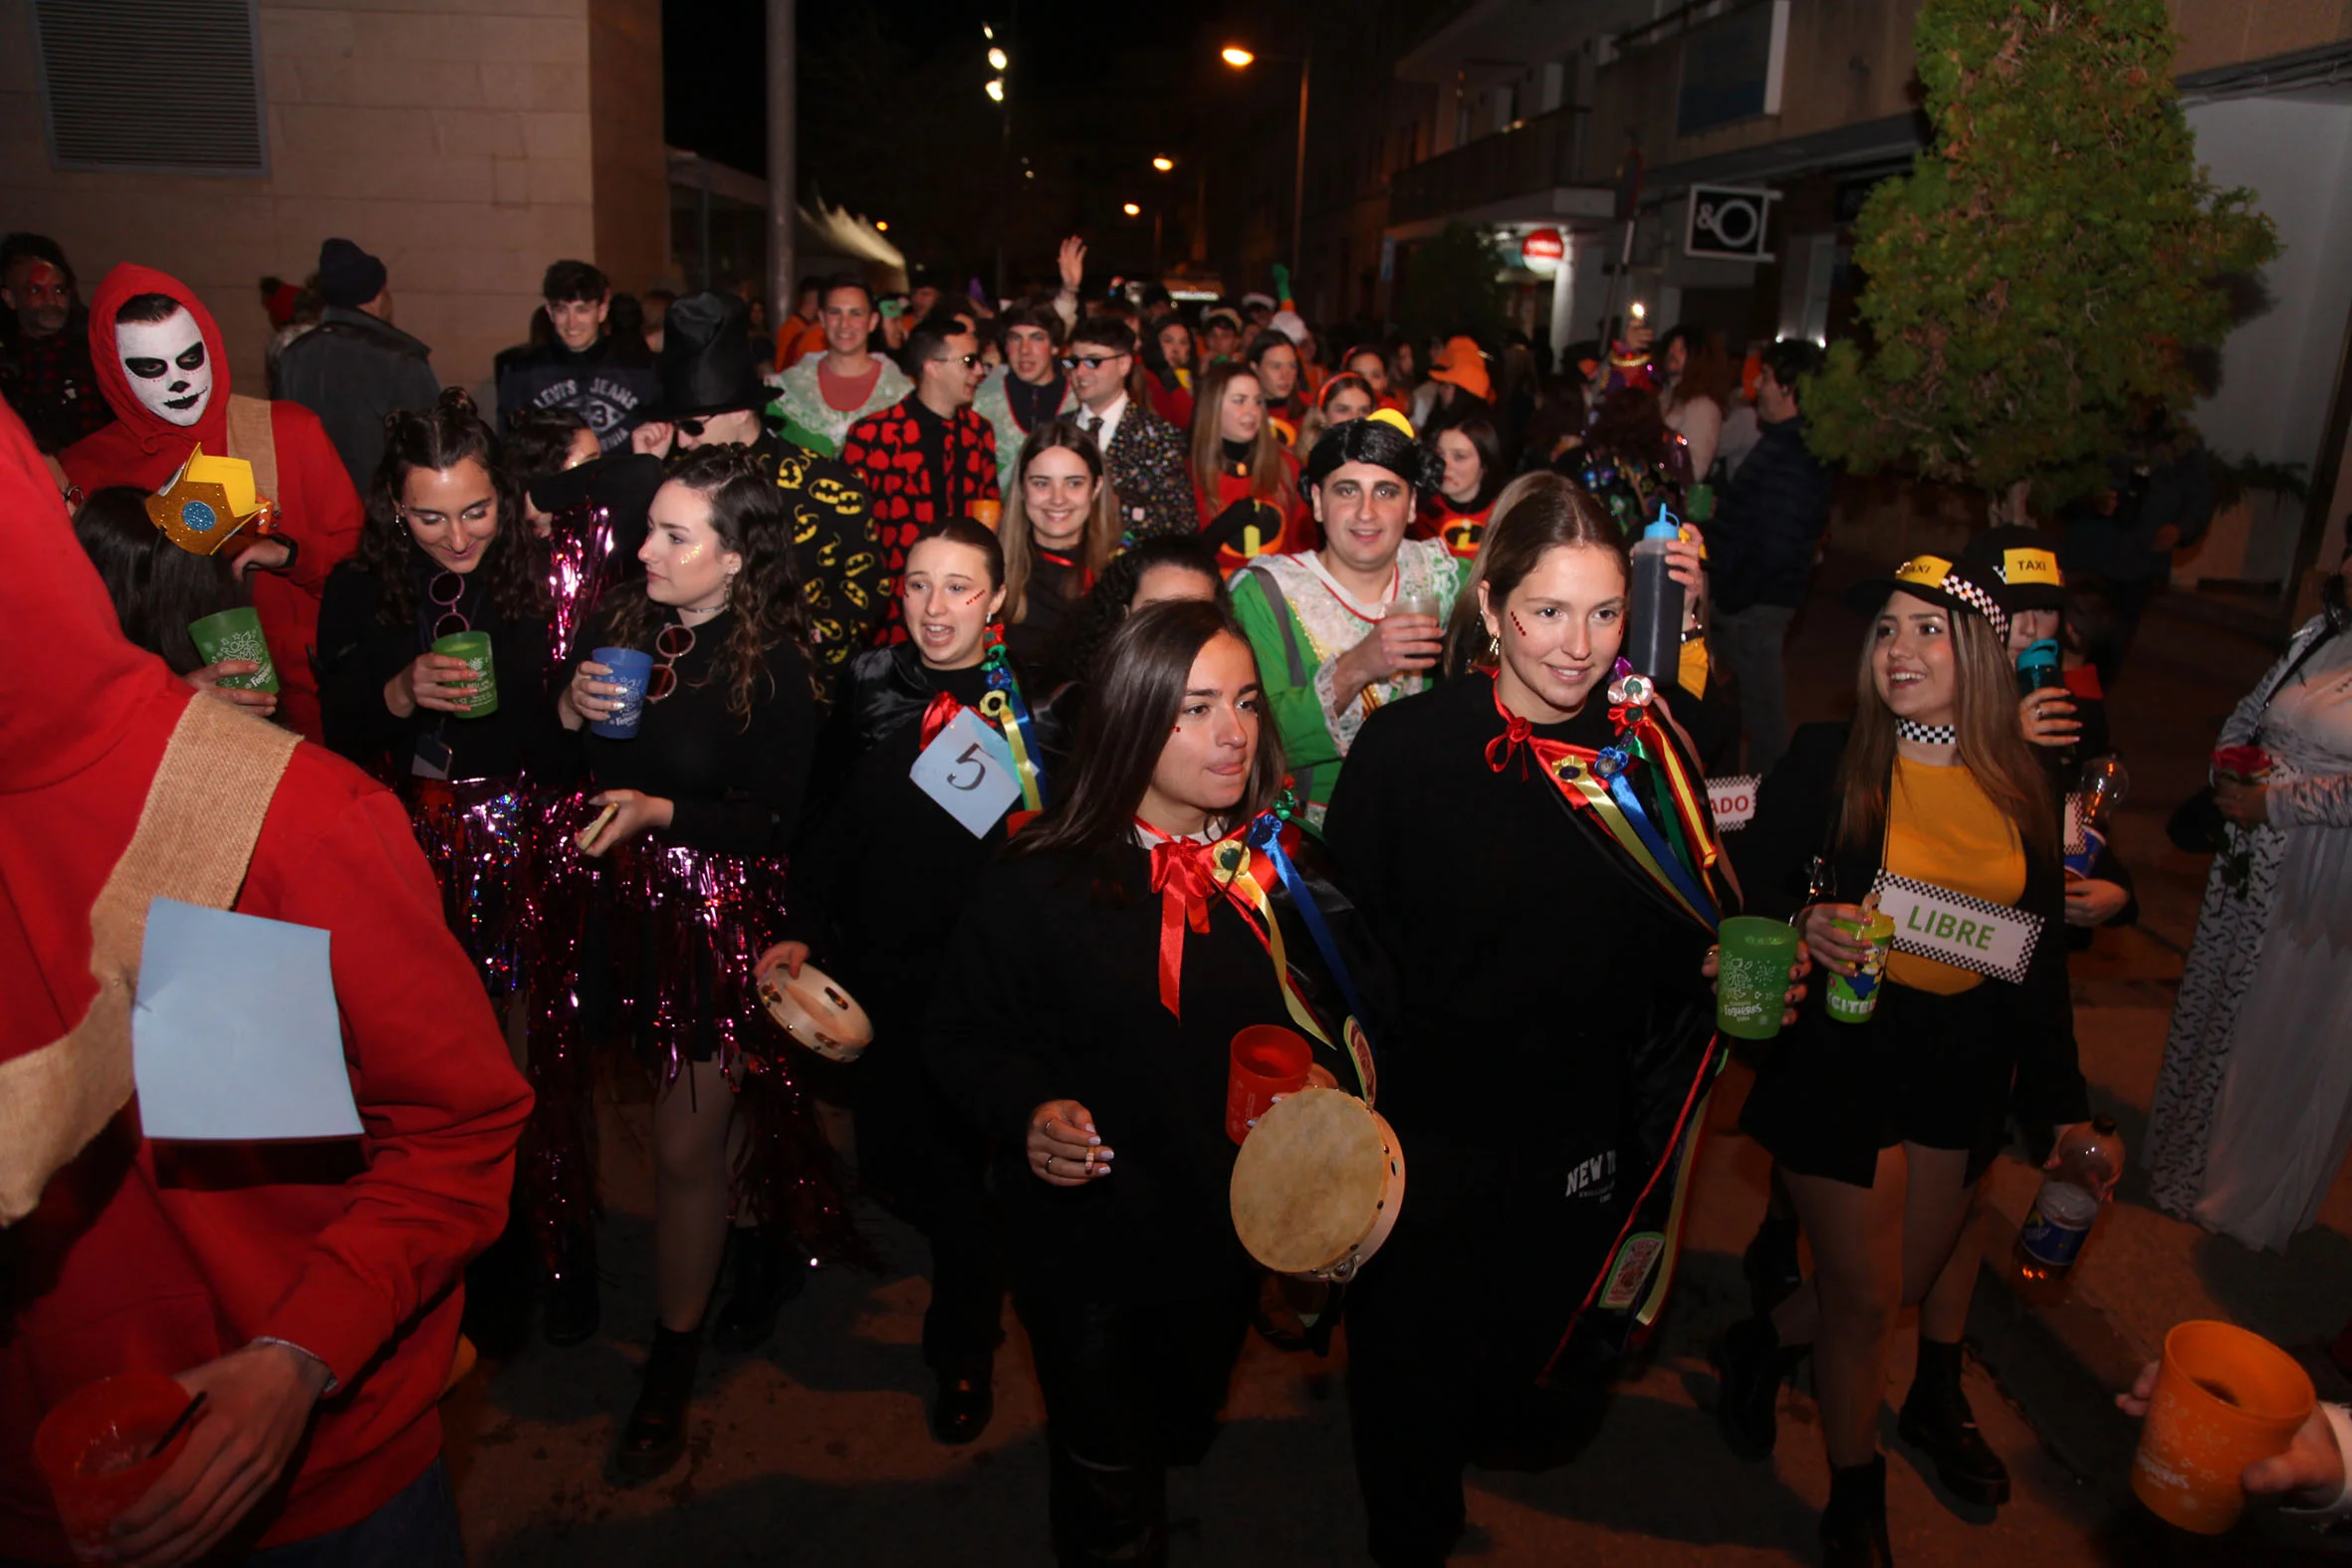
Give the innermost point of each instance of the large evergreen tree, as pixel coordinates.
(2031, 285)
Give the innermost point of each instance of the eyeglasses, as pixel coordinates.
(967, 361)
(1092, 361)
(674, 644)
(448, 606)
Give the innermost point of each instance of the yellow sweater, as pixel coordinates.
(1943, 828)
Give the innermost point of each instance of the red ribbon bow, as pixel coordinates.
(1517, 732)
(1183, 874)
(942, 713)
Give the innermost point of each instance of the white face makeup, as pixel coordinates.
(170, 374)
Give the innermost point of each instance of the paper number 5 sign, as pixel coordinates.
(968, 769)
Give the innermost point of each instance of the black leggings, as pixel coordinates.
(1130, 1390)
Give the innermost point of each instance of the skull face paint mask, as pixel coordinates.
(170, 374)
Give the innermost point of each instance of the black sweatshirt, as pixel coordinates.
(736, 787)
(359, 655)
(1548, 997)
(1049, 991)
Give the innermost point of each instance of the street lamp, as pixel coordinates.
(996, 88)
(1163, 164)
(1241, 59)
(1131, 210)
(996, 60)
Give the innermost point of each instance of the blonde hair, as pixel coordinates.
(1095, 545)
(1985, 719)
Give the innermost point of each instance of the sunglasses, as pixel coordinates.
(1092, 361)
(967, 361)
(451, 620)
(674, 644)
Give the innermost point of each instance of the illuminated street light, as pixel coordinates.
(987, 31)
(997, 60)
(1236, 56)
(1163, 164)
(880, 227)
(996, 88)
(1131, 210)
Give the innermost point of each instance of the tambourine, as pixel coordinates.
(816, 1013)
(1317, 1185)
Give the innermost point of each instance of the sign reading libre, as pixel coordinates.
(1954, 928)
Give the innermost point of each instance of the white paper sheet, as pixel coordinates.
(234, 1035)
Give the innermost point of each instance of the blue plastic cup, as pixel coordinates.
(632, 668)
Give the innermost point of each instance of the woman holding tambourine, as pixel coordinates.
(915, 805)
(1536, 850)
(1917, 847)
(1084, 1020)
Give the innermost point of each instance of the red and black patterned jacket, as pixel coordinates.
(886, 451)
(49, 381)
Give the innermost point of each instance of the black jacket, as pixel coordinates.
(1795, 809)
(1760, 544)
(351, 370)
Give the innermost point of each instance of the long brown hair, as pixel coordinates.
(1138, 693)
(440, 437)
(748, 515)
(1986, 716)
(1101, 535)
(1535, 512)
(1270, 476)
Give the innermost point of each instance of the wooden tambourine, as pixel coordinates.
(1317, 1185)
(817, 1013)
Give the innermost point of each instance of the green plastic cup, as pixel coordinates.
(474, 648)
(1751, 976)
(1698, 503)
(1853, 999)
(236, 634)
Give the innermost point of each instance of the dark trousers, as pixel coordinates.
(417, 1528)
(1130, 1390)
(1448, 1331)
(919, 1157)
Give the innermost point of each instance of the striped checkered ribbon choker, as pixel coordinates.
(1927, 734)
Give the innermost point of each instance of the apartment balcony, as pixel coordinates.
(1534, 155)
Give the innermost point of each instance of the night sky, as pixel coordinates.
(895, 123)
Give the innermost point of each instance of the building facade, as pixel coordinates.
(467, 143)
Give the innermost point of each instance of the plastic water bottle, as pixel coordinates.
(2064, 1211)
(1653, 633)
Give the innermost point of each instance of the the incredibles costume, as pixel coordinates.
(1117, 978)
(1548, 895)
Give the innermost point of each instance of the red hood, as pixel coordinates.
(140, 448)
(76, 748)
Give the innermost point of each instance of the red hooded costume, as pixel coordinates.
(161, 1257)
(317, 507)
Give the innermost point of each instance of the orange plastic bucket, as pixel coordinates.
(2224, 1399)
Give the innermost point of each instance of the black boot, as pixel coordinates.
(570, 1309)
(1771, 1263)
(1751, 1364)
(657, 1432)
(1854, 1525)
(1937, 1421)
(771, 1268)
(967, 1399)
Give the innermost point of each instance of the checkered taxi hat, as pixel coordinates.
(1956, 585)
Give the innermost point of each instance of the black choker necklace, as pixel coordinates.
(1926, 733)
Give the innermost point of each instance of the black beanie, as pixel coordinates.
(348, 276)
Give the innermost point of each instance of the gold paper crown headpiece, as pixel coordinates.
(208, 501)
